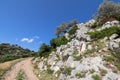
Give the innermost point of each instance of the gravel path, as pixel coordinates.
(25, 66)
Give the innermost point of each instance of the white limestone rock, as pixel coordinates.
(89, 47)
(55, 68)
(81, 33)
(113, 45)
(67, 36)
(109, 24)
(113, 36)
(83, 48)
(90, 23)
(70, 62)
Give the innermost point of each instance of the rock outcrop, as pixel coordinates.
(82, 58)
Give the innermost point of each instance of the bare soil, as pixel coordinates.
(25, 66)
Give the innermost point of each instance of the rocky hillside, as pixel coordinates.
(10, 52)
(93, 54)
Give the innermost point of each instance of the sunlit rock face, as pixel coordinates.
(83, 58)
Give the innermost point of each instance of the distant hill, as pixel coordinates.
(10, 52)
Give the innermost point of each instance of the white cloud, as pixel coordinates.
(36, 37)
(27, 40)
(30, 40)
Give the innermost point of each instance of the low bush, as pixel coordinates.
(109, 58)
(77, 58)
(103, 72)
(9, 57)
(96, 77)
(80, 75)
(92, 71)
(49, 71)
(117, 54)
(107, 32)
(73, 30)
(67, 70)
(96, 25)
(44, 50)
(20, 76)
(117, 64)
(56, 42)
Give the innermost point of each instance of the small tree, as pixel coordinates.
(44, 50)
(63, 27)
(56, 42)
(72, 23)
(106, 11)
(53, 43)
(117, 11)
(73, 30)
(58, 31)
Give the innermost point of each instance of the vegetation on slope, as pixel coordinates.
(21, 76)
(104, 33)
(11, 52)
(6, 66)
(108, 11)
(65, 27)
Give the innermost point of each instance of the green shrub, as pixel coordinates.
(20, 76)
(92, 71)
(56, 42)
(109, 58)
(117, 54)
(73, 30)
(49, 71)
(117, 64)
(77, 58)
(9, 57)
(103, 33)
(80, 75)
(44, 50)
(96, 25)
(96, 77)
(67, 70)
(10, 52)
(103, 72)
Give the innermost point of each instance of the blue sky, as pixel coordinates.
(29, 23)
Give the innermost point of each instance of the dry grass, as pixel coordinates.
(7, 65)
(44, 75)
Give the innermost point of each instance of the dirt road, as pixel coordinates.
(26, 66)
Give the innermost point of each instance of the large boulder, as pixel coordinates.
(115, 23)
(113, 36)
(117, 40)
(70, 62)
(113, 45)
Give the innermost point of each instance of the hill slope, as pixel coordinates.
(92, 54)
(10, 52)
